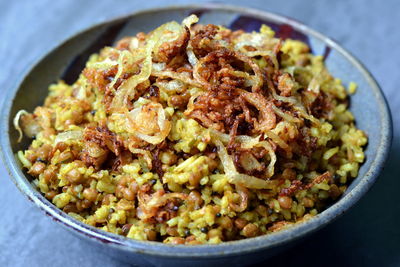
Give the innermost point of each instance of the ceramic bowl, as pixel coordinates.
(68, 59)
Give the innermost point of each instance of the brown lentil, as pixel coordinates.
(177, 240)
(49, 174)
(214, 233)
(37, 168)
(126, 228)
(240, 223)
(285, 202)
(172, 231)
(250, 230)
(308, 203)
(151, 234)
(90, 194)
(74, 176)
(44, 151)
(65, 156)
(262, 210)
(334, 191)
(51, 194)
(195, 198)
(289, 174)
(225, 222)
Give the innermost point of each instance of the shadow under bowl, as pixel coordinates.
(68, 59)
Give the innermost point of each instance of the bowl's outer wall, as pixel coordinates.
(65, 61)
(141, 259)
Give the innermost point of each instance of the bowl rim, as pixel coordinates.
(207, 250)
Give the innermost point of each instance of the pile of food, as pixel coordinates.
(195, 134)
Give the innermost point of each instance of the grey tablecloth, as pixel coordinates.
(368, 235)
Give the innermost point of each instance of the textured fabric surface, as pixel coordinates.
(368, 235)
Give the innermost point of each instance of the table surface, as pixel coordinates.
(368, 235)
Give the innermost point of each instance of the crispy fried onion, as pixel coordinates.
(125, 61)
(149, 204)
(174, 40)
(148, 123)
(233, 175)
(191, 56)
(105, 138)
(249, 162)
(297, 185)
(326, 176)
(68, 135)
(293, 101)
(189, 21)
(297, 106)
(176, 76)
(16, 123)
(244, 198)
(279, 141)
(271, 55)
(248, 142)
(267, 120)
(126, 91)
(255, 80)
(191, 106)
(145, 153)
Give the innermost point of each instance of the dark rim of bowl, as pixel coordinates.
(226, 248)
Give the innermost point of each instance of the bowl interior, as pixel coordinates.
(68, 59)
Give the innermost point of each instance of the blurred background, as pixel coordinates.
(368, 235)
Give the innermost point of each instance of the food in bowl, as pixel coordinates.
(195, 134)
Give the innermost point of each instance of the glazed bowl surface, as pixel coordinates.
(67, 60)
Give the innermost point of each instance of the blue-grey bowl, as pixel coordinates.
(67, 60)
